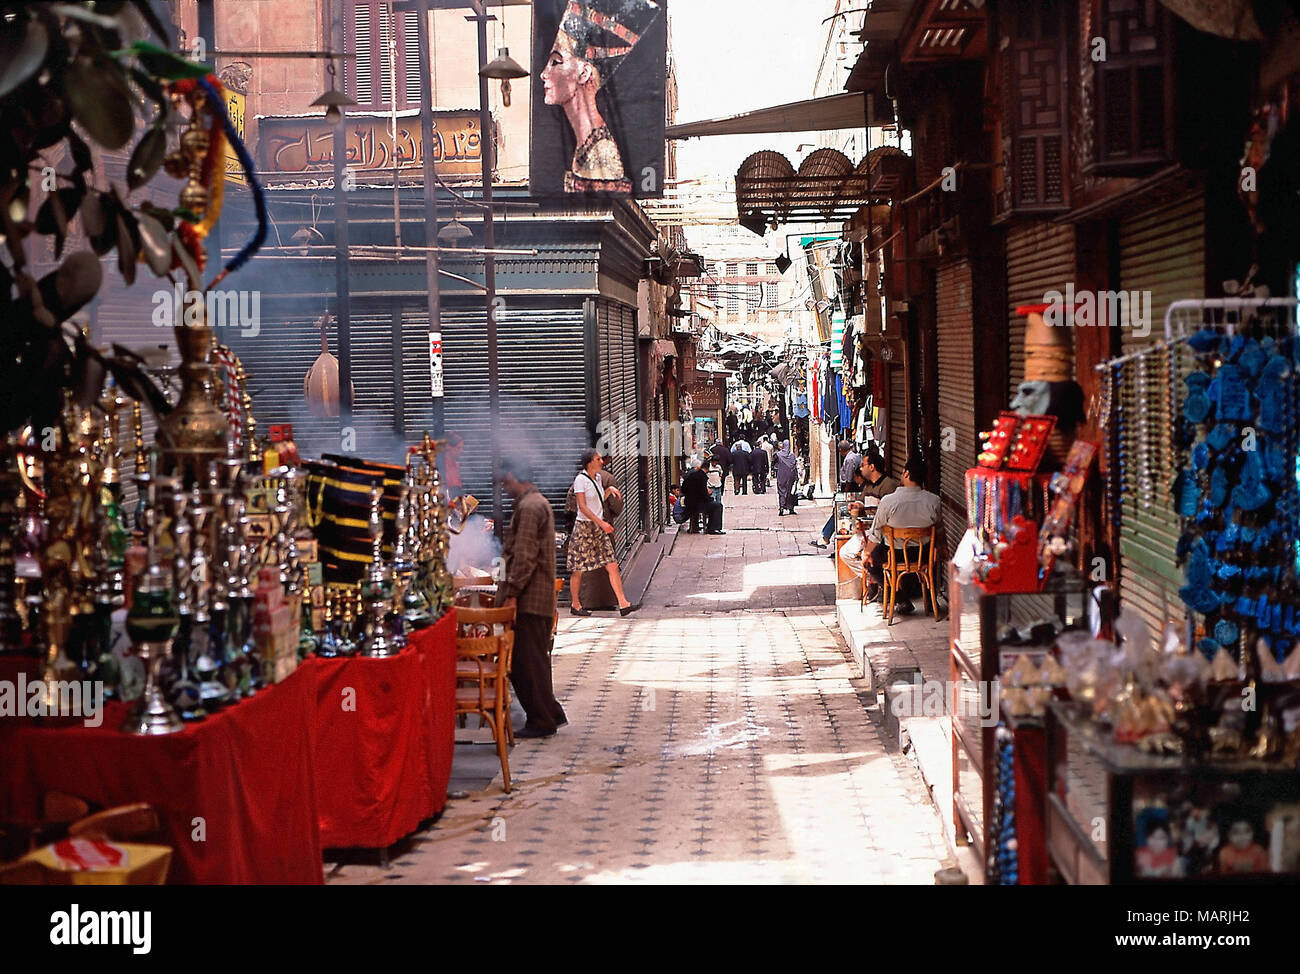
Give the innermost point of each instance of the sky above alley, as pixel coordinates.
(737, 55)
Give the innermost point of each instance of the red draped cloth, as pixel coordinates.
(236, 792)
(384, 739)
(437, 647)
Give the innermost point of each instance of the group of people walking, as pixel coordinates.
(743, 463)
(704, 485)
(743, 423)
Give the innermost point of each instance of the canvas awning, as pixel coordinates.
(843, 111)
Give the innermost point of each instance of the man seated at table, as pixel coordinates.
(529, 586)
(870, 482)
(910, 506)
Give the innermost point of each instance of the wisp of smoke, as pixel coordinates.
(474, 548)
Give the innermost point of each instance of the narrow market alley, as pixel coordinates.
(719, 735)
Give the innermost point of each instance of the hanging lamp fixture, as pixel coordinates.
(503, 67)
(454, 232)
(334, 101)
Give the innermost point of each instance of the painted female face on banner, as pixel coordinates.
(586, 43)
(565, 73)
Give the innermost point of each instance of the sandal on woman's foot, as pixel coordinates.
(629, 609)
(579, 611)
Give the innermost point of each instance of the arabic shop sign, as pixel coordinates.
(235, 109)
(306, 143)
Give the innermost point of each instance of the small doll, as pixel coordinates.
(1156, 856)
(1241, 853)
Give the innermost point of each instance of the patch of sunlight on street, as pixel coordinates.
(759, 574)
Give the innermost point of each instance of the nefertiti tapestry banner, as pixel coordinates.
(598, 97)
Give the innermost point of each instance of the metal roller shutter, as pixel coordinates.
(542, 376)
(617, 382)
(898, 436)
(1161, 251)
(277, 361)
(956, 391)
(1040, 258)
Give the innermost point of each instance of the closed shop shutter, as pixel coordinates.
(542, 382)
(898, 436)
(617, 382)
(278, 358)
(543, 409)
(1040, 258)
(1162, 251)
(956, 391)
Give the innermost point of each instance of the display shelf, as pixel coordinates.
(983, 627)
(1108, 803)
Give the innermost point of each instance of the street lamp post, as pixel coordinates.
(481, 18)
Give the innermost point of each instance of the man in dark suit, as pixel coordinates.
(740, 468)
(722, 456)
(758, 468)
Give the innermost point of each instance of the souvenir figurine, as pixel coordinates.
(1240, 852)
(1157, 859)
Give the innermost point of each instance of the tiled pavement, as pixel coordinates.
(716, 736)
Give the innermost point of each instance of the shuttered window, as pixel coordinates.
(375, 37)
(543, 410)
(1162, 251)
(411, 56)
(956, 391)
(1031, 69)
(1133, 85)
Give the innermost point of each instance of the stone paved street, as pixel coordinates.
(716, 736)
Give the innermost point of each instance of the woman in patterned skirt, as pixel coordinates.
(591, 545)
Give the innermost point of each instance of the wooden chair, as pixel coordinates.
(58, 811)
(122, 823)
(483, 675)
(910, 558)
(57, 807)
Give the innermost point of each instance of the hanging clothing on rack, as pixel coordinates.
(814, 398)
(830, 402)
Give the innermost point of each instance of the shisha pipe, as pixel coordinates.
(375, 589)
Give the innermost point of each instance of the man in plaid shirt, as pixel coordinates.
(530, 587)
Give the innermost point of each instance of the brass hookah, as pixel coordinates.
(434, 581)
(193, 433)
(11, 511)
(67, 573)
